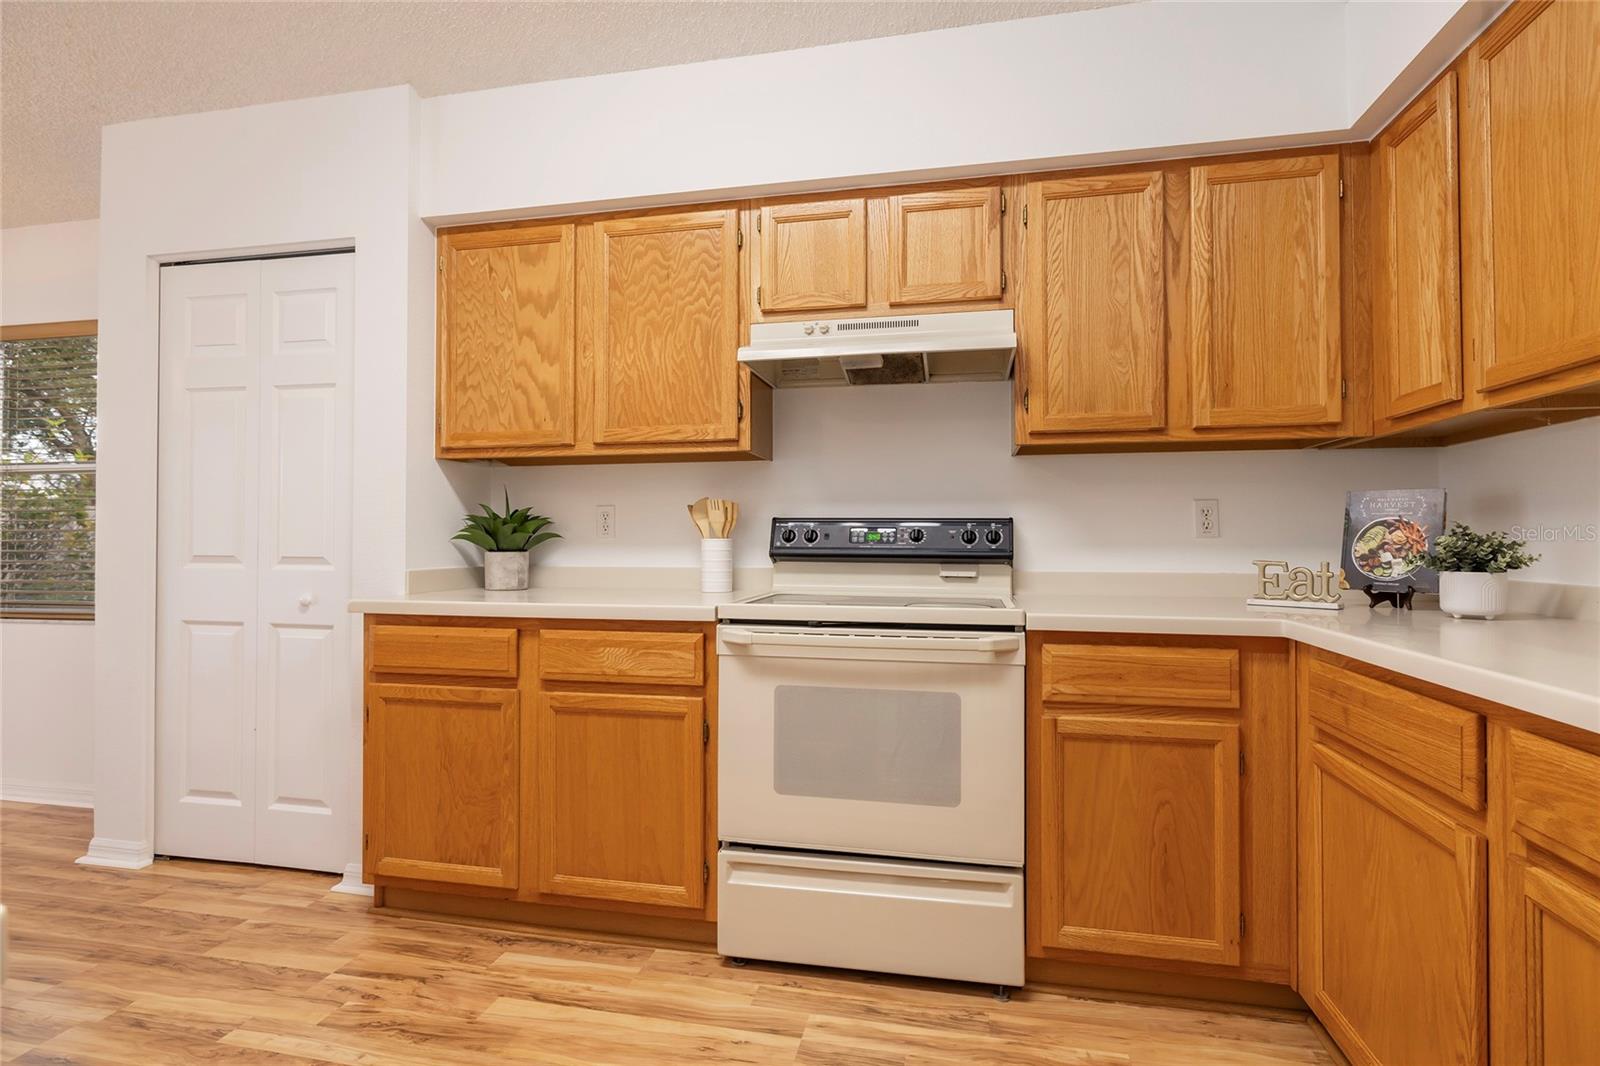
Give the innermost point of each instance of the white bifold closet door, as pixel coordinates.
(255, 722)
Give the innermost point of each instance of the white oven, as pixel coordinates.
(901, 743)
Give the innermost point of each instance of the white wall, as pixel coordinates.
(1542, 484)
(945, 450)
(47, 274)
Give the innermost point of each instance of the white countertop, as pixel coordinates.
(1546, 666)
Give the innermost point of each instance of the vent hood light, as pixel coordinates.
(952, 346)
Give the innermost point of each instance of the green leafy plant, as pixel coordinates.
(512, 531)
(1462, 549)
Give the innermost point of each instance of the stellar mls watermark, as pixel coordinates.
(1542, 534)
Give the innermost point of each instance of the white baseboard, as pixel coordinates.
(350, 884)
(118, 854)
(48, 794)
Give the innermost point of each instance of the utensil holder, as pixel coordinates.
(716, 564)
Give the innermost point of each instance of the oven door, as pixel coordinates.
(872, 741)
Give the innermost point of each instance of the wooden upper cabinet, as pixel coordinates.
(1531, 219)
(621, 781)
(1094, 323)
(1418, 305)
(944, 246)
(813, 255)
(665, 328)
(1139, 825)
(1264, 293)
(442, 784)
(506, 337)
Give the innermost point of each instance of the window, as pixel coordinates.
(47, 453)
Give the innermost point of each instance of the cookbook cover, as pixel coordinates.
(1386, 534)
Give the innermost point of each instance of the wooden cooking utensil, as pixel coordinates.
(699, 511)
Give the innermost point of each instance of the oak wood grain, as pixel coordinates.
(813, 255)
(1140, 674)
(637, 658)
(456, 650)
(944, 246)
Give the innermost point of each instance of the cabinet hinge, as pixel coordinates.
(368, 713)
(1344, 388)
(758, 295)
(441, 264)
(1024, 216)
(1024, 401)
(1241, 925)
(1002, 201)
(738, 238)
(739, 416)
(705, 873)
(705, 732)
(758, 221)
(1241, 764)
(1341, 188)
(1002, 281)
(366, 841)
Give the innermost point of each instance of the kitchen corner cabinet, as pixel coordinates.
(597, 339)
(1161, 806)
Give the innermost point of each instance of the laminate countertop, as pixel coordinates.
(1545, 666)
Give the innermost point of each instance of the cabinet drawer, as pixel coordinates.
(622, 657)
(1434, 743)
(461, 651)
(1554, 792)
(1140, 675)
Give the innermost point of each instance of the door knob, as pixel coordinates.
(306, 599)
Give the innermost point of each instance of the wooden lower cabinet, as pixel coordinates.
(621, 788)
(442, 784)
(1161, 821)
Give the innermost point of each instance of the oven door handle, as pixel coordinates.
(995, 643)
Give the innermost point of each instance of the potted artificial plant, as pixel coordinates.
(1473, 569)
(505, 540)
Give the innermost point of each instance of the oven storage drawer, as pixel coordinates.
(926, 919)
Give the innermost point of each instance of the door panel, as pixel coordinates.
(443, 775)
(1095, 327)
(1553, 967)
(1418, 304)
(507, 336)
(814, 255)
(621, 798)
(1140, 824)
(1532, 222)
(1264, 293)
(666, 328)
(1393, 923)
(944, 246)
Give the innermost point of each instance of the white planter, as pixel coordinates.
(505, 571)
(1464, 595)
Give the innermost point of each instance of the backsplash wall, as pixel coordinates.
(945, 450)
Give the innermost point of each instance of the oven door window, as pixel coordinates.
(874, 745)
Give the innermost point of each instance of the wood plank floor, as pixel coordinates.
(214, 963)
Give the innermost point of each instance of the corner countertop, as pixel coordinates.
(619, 601)
(1545, 666)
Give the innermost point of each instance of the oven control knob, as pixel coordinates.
(969, 536)
(915, 535)
(787, 536)
(811, 536)
(993, 536)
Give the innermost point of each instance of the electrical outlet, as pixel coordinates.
(605, 521)
(1207, 518)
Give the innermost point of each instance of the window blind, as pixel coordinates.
(47, 463)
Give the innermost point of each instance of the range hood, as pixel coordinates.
(908, 349)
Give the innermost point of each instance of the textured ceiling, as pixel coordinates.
(66, 69)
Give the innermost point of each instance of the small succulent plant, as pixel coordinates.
(512, 531)
(1462, 549)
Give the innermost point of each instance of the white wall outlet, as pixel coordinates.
(605, 521)
(1207, 518)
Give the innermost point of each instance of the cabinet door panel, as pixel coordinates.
(814, 255)
(1393, 922)
(944, 246)
(666, 328)
(1552, 967)
(1419, 286)
(1533, 219)
(442, 796)
(1264, 293)
(1139, 824)
(621, 798)
(1095, 322)
(506, 338)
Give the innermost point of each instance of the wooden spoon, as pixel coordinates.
(699, 511)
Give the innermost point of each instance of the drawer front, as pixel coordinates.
(625, 658)
(1140, 675)
(1433, 743)
(1555, 796)
(459, 651)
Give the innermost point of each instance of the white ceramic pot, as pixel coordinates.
(505, 571)
(1464, 595)
(716, 564)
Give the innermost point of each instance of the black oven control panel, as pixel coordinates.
(990, 539)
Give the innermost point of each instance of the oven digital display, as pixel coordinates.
(874, 537)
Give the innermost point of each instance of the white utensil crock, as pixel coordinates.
(1468, 595)
(716, 564)
(505, 571)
